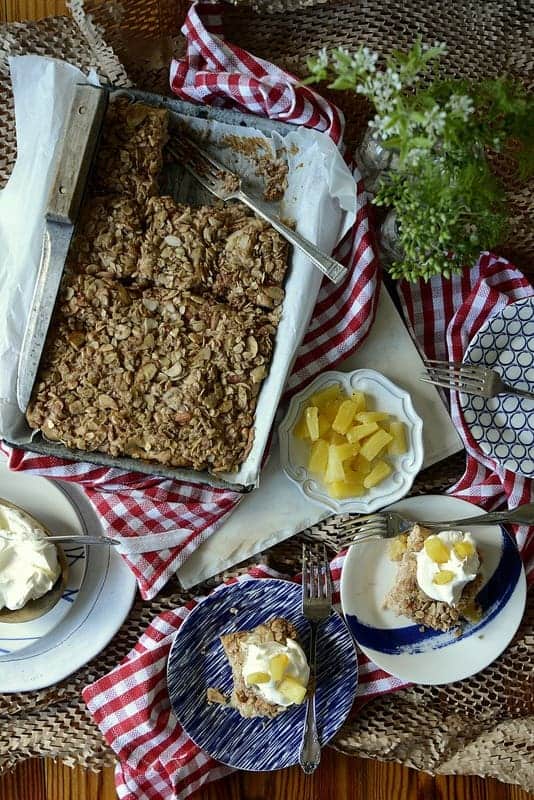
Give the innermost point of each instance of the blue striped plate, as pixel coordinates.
(419, 654)
(197, 661)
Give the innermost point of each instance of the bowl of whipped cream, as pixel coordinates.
(33, 570)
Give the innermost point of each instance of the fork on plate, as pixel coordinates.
(468, 378)
(80, 538)
(316, 607)
(388, 524)
(226, 185)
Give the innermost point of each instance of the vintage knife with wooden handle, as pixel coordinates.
(76, 153)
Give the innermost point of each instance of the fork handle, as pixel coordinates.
(310, 749)
(328, 265)
(522, 515)
(512, 390)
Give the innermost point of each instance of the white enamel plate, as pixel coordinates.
(396, 643)
(94, 610)
(384, 396)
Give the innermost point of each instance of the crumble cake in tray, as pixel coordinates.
(164, 326)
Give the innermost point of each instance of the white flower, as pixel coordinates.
(362, 61)
(434, 122)
(461, 104)
(322, 58)
(414, 156)
(393, 78)
(368, 59)
(440, 46)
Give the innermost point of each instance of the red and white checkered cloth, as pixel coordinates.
(156, 760)
(130, 504)
(444, 316)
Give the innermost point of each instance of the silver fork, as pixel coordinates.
(316, 607)
(73, 537)
(226, 185)
(468, 378)
(388, 524)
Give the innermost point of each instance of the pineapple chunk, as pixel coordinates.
(312, 422)
(258, 677)
(379, 472)
(398, 445)
(342, 490)
(358, 398)
(319, 457)
(334, 470)
(361, 467)
(278, 665)
(445, 576)
(345, 451)
(292, 690)
(325, 396)
(375, 444)
(336, 438)
(463, 549)
(359, 432)
(324, 425)
(329, 410)
(344, 416)
(301, 429)
(397, 547)
(436, 550)
(371, 416)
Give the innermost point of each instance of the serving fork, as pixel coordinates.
(316, 607)
(388, 524)
(468, 378)
(226, 185)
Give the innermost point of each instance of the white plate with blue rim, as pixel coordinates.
(503, 426)
(197, 661)
(91, 612)
(420, 655)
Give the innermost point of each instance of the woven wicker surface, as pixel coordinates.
(481, 725)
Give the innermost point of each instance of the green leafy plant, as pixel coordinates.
(449, 205)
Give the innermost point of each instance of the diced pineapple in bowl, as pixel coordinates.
(352, 441)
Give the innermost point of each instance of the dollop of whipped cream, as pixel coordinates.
(257, 660)
(464, 569)
(29, 565)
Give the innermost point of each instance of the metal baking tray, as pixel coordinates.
(184, 189)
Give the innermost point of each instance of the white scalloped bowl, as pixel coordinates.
(384, 396)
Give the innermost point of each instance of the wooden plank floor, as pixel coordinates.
(339, 777)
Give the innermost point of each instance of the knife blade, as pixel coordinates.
(80, 138)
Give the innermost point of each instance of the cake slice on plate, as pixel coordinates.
(269, 669)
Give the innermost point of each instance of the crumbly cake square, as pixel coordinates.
(408, 599)
(182, 245)
(130, 156)
(252, 266)
(108, 237)
(244, 698)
